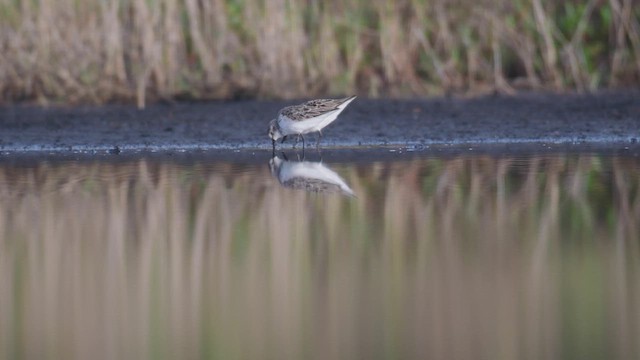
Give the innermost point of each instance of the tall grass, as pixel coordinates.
(73, 51)
(440, 258)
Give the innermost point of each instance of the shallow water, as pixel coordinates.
(428, 257)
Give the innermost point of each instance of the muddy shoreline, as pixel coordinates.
(608, 121)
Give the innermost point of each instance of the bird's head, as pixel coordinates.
(274, 131)
(274, 165)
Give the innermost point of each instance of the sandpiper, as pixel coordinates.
(309, 176)
(311, 116)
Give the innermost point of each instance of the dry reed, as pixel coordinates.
(94, 51)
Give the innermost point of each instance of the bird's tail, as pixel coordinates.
(347, 101)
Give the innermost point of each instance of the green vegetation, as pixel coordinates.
(71, 51)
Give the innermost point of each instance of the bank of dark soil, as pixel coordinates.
(605, 120)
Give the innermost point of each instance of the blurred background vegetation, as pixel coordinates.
(461, 257)
(95, 51)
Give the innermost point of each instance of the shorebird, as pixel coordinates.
(301, 119)
(309, 176)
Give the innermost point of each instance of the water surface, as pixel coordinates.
(427, 257)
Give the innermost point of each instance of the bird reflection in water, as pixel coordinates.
(310, 176)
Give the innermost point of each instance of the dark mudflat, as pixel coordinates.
(609, 120)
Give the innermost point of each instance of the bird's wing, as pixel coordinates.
(312, 185)
(312, 108)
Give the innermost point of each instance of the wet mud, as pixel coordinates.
(609, 120)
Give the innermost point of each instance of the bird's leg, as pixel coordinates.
(302, 141)
(319, 137)
(283, 139)
(273, 147)
(297, 140)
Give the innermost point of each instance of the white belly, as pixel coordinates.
(287, 126)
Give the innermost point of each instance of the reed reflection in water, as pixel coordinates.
(443, 258)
